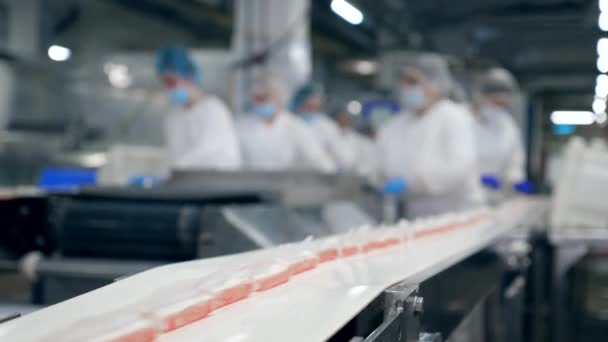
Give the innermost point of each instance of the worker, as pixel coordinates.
(499, 142)
(200, 131)
(428, 150)
(274, 139)
(361, 158)
(307, 103)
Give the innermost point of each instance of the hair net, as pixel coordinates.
(435, 69)
(176, 60)
(304, 93)
(496, 80)
(275, 88)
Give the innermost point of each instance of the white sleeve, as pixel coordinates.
(367, 161)
(455, 158)
(337, 145)
(516, 162)
(310, 149)
(217, 146)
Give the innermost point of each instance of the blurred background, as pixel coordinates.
(102, 88)
(81, 97)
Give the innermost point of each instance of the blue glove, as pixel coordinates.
(491, 181)
(395, 186)
(144, 181)
(525, 187)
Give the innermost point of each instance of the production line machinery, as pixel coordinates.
(93, 236)
(384, 293)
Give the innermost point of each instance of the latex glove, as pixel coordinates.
(395, 186)
(491, 181)
(144, 181)
(525, 187)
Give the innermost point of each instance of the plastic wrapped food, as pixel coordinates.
(270, 275)
(175, 305)
(353, 242)
(329, 249)
(301, 257)
(227, 287)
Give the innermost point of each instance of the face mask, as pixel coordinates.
(264, 111)
(491, 113)
(309, 117)
(411, 98)
(179, 96)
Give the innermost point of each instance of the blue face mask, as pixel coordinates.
(309, 117)
(179, 96)
(411, 98)
(264, 111)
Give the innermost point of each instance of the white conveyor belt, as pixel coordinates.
(311, 307)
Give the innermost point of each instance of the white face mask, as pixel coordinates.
(491, 112)
(411, 98)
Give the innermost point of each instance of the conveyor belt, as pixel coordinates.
(310, 307)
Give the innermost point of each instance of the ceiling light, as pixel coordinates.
(602, 64)
(354, 107)
(601, 90)
(571, 117)
(602, 21)
(365, 67)
(601, 118)
(59, 53)
(347, 11)
(599, 106)
(602, 46)
(118, 75)
(601, 86)
(604, 5)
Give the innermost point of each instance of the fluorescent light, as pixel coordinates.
(601, 118)
(604, 5)
(601, 90)
(365, 67)
(602, 46)
(571, 117)
(599, 106)
(118, 75)
(59, 53)
(602, 21)
(602, 64)
(601, 86)
(348, 12)
(354, 107)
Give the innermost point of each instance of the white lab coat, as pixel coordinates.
(500, 147)
(203, 137)
(328, 134)
(286, 143)
(436, 153)
(361, 153)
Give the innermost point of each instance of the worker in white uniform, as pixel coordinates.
(307, 103)
(200, 131)
(428, 150)
(361, 151)
(499, 142)
(274, 139)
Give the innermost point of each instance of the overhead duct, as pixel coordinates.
(271, 36)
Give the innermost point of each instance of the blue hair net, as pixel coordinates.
(303, 94)
(176, 60)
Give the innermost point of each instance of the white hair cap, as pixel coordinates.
(497, 80)
(435, 70)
